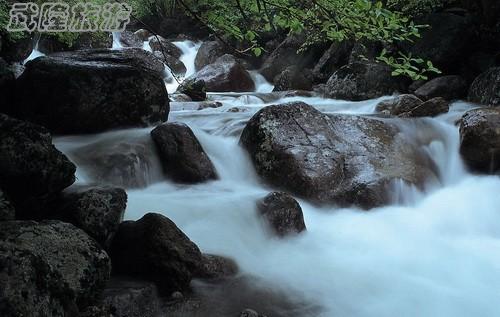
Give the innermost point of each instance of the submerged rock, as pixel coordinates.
(217, 267)
(155, 249)
(282, 213)
(181, 154)
(92, 91)
(195, 89)
(226, 74)
(128, 161)
(132, 297)
(431, 108)
(96, 210)
(448, 87)
(340, 159)
(480, 140)
(486, 88)
(363, 80)
(49, 269)
(399, 105)
(32, 170)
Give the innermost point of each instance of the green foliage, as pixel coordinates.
(406, 65)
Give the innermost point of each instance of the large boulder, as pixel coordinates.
(155, 249)
(96, 210)
(340, 159)
(486, 88)
(181, 154)
(332, 59)
(130, 39)
(92, 91)
(122, 160)
(288, 53)
(160, 44)
(450, 87)
(226, 74)
(175, 65)
(194, 89)
(480, 139)
(363, 80)
(209, 52)
(49, 269)
(7, 211)
(293, 78)
(32, 170)
(448, 39)
(431, 108)
(282, 214)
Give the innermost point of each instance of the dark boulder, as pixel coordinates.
(431, 108)
(282, 214)
(122, 160)
(155, 249)
(480, 140)
(160, 44)
(288, 53)
(96, 210)
(209, 52)
(363, 80)
(250, 313)
(448, 39)
(450, 87)
(293, 78)
(486, 88)
(340, 159)
(49, 269)
(7, 211)
(130, 39)
(399, 105)
(92, 91)
(181, 155)
(132, 297)
(335, 57)
(226, 74)
(90, 40)
(32, 170)
(195, 89)
(175, 65)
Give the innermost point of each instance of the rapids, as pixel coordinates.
(432, 253)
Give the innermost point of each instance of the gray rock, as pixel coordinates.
(431, 108)
(363, 80)
(181, 155)
(7, 211)
(480, 140)
(160, 44)
(486, 88)
(217, 267)
(399, 105)
(96, 210)
(293, 78)
(48, 269)
(226, 74)
(450, 87)
(282, 214)
(208, 53)
(340, 159)
(130, 39)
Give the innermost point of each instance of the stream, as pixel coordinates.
(432, 253)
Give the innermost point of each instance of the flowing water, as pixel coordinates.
(433, 253)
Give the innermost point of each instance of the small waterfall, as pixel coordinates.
(35, 53)
(261, 84)
(117, 44)
(189, 50)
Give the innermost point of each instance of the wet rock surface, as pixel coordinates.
(282, 214)
(92, 91)
(181, 154)
(336, 159)
(208, 53)
(448, 87)
(480, 140)
(226, 74)
(293, 78)
(32, 170)
(48, 269)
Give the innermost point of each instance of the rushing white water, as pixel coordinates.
(261, 84)
(117, 44)
(433, 253)
(189, 50)
(35, 53)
